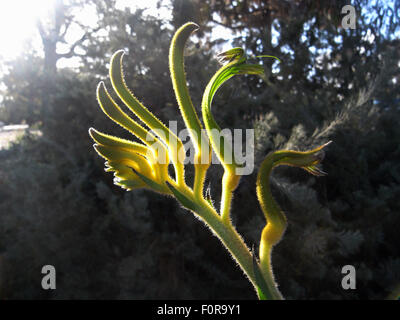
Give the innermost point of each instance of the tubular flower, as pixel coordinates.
(236, 65)
(130, 161)
(145, 164)
(276, 219)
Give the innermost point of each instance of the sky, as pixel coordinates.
(18, 28)
(18, 22)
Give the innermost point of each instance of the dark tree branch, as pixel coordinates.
(68, 22)
(71, 51)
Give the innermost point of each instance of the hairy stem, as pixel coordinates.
(232, 241)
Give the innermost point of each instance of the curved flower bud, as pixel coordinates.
(276, 219)
(222, 147)
(178, 77)
(236, 65)
(192, 121)
(234, 54)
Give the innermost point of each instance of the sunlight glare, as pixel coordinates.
(18, 23)
(150, 5)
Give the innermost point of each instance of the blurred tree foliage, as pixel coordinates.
(58, 206)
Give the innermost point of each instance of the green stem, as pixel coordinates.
(199, 178)
(226, 201)
(232, 242)
(230, 239)
(267, 272)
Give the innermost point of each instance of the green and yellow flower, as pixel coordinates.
(144, 164)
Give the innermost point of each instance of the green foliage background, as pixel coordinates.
(59, 207)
